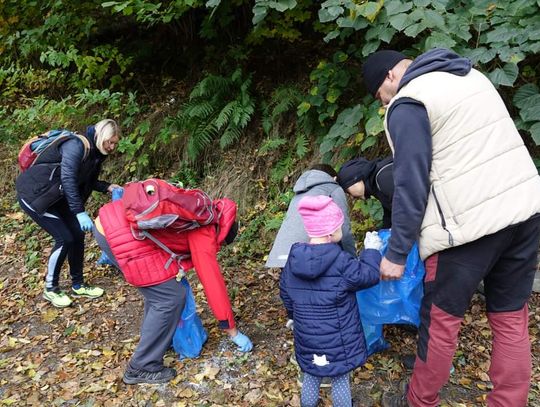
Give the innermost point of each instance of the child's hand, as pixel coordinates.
(372, 241)
(290, 324)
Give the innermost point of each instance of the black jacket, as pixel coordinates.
(61, 173)
(380, 184)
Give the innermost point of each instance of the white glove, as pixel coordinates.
(372, 241)
(290, 324)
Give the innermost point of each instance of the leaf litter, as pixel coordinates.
(76, 356)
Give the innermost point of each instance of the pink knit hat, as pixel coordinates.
(320, 214)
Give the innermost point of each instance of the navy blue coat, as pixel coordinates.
(61, 173)
(318, 286)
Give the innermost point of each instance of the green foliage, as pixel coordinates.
(330, 80)
(218, 108)
(67, 63)
(527, 100)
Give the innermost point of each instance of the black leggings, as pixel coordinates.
(64, 227)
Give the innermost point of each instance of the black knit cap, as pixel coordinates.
(354, 171)
(377, 66)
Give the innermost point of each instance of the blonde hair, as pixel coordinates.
(105, 130)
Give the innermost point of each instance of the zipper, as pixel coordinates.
(443, 220)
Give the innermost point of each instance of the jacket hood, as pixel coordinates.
(437, 60)
(309, 261)
(311, 178)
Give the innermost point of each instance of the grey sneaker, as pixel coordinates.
(136, 376)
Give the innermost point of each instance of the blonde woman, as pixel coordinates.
(53, 192)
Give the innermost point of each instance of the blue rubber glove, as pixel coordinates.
(243, 342)
(117, 193)
(85, 221)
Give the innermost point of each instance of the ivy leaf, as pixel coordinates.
(370, 10)
(370, 47)
(505, 76)
(399, 21)
(331, 35)
(535, 133)
(330, 13)
(524, 93)
(259, 12)
(396, 7)
(481, 54)
(439, 40)
(351, 116)
(500, 34)
(368, 142)
(531, 111)
(434, 19)
(415, 29)
(374, 125)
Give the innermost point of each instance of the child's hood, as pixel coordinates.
(311, 178)
(309, 261)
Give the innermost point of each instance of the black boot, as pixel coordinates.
(136, 376)
(399, 399)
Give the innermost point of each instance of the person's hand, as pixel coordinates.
(242, 341)
(85, 221)
(113, 186)
(372, 241)
(290, 324)
(391, 271)
(117, 193)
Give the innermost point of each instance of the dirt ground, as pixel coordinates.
(76, 356)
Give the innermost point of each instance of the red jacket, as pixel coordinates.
(143, 263)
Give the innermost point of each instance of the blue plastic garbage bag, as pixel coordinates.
(374, 338)
(190, 334)
(397, 301)
(104, 259)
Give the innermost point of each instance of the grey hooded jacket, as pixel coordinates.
(312, 182)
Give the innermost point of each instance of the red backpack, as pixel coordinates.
(156, 204)
(35, 146)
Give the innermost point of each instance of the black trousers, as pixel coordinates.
(64, 227)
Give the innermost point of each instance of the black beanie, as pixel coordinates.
(377, 66)
(354, 171)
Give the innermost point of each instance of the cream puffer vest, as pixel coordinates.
(482, 176)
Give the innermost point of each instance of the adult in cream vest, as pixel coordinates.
(467, 189)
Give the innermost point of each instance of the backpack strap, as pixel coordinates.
(86, 144)
(174, 256)
(60, 139)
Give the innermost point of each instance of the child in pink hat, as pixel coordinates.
(318, 287)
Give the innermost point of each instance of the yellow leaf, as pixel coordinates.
(368, 366)
(49, 315)
(481, 386)
(187, 393)
(464, 381)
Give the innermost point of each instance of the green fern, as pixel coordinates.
(219, 109)
(302, 145)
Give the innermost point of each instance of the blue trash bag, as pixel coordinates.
(374, 338)
(104, 259)
(190, 334)
(397, 301)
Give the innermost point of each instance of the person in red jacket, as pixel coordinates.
(147, 266)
